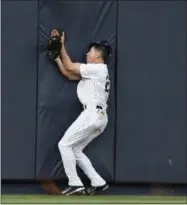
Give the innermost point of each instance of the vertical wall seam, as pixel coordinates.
(115, 88)
(37, 70)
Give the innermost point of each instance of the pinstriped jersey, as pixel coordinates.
(94, 86)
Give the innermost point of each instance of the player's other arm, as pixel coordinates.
(66, 73)
(67, 62)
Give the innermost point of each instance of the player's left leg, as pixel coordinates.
(65, 145)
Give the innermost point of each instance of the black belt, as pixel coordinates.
(97, 107)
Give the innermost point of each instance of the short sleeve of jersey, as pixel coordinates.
(90, 70)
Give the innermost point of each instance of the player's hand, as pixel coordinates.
(63, 38)
(54, 32)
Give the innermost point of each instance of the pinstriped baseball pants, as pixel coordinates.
(89, 124)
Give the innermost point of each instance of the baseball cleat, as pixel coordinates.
(92, 190)
(72, 190)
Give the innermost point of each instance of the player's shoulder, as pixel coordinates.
(100, 66)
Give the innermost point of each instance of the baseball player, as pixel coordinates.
(93, 92)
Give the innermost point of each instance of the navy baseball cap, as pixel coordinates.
(103, 44)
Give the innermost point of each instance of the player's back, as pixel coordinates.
(94, 86)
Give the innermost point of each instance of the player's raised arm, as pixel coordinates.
(69, 75)
(68, 64)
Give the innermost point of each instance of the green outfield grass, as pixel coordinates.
(91, 199)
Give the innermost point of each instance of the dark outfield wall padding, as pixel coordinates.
(19, 66)
(58, 105)
(151, 114)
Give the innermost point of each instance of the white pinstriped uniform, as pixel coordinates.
(92, 90)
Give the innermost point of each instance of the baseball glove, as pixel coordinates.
(54, 47)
